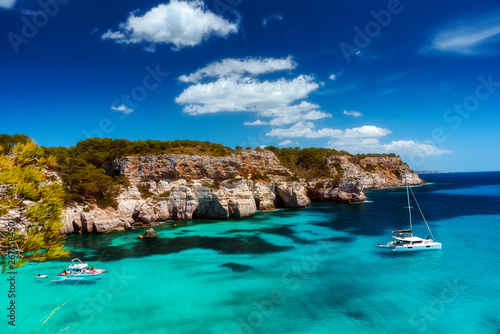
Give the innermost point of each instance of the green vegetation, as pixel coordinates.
(215, 185)
(376, 155)
(260, 177)
(83, 167)
(233, 180)
(24, 178)
(319, 185)
(369, 168)
(165, 194)
(308, 163)
(145, 193)
(338, 168)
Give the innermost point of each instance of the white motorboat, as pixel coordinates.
(79, 271)
(404, 240)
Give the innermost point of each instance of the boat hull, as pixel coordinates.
(415, 248)
(89, 277)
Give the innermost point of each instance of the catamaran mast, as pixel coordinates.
(409, 207)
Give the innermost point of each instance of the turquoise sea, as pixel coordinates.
(315, 270)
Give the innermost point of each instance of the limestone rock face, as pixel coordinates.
(348, 191)
(293, 194)
(264, 195)
(373, 172)
(192, 167)
(182, 203)
(78, 219)
(149, 234)
(183, 187)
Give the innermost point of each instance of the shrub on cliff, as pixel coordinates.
(308, 163)
(28, 188)
(7, 142)
(260, 177)
(145, 193)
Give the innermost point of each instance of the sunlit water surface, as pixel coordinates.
(289, 271)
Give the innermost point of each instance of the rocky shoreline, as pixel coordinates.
(183, 187)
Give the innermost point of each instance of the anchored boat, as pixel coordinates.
(404, 240)
(79, 271)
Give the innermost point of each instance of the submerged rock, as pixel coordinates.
(236, 267)
(149, 234)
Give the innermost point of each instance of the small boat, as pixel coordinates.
(79, 271)
(405, 241)
(41, 276)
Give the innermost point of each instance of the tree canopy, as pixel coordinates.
(27, 187)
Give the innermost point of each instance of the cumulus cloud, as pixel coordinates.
(245, 94)
(353, 113)
(123, 109)
(408, 146)
(7, 3)
(257, 122)
(472, 36)
(286, 142)
(180, 23)
(232, 85)
(302, 129)
(266, 20)
(231, 67)
(367, 139)
(366, 131)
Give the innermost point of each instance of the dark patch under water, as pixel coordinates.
(338, 239)
(226, 245)
(236, 267)
(282, 230)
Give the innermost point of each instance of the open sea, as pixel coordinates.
(314, 270)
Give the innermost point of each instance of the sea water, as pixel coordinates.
(314, 270)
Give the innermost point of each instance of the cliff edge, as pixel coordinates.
(182, 187)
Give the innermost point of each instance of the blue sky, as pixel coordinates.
(418, 78)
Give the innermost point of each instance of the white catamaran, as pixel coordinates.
(404, 239)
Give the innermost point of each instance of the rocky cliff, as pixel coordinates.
(182, 187)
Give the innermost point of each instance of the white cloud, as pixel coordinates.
(473, 36)
(366, 131)
(231, 67)
(245, 94)
(257, 122)
(286, 142)
(123, 109)
(234, 87)
(113, 35)
(333, 77)
(353, 113)
(302, 129)
(180, 23)
(408, 146)
(266, 20)
(289, 118)
(7, 3)
(367, 139)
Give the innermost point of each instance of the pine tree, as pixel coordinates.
(31, 203)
